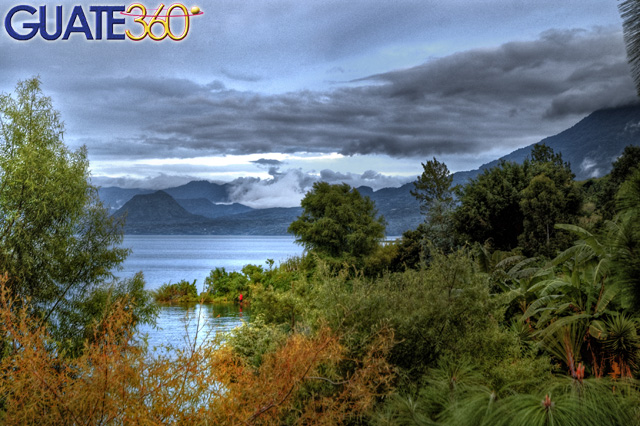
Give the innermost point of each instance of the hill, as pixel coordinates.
(155, 209)
(590, 146)
(204, 207)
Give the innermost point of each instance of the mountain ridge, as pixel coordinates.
(590, 146)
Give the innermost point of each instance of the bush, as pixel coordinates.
(182, 291)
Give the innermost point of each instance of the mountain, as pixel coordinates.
(154, 209)
(400, 209)
(214, 192)
(590, 146)
(204, 207)
(201, 207)
(113, 197)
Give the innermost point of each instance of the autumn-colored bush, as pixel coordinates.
(116, 381)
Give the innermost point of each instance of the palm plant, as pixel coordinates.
(630, 13)
(572, 300)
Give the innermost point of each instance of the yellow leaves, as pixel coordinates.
(307, 380)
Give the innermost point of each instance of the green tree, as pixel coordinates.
(434, 192)
(57, 242)
(550, 197)
(338, 222)
(508, 205)
(434, 184)
(490, 206)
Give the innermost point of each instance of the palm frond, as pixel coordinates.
(630, 13)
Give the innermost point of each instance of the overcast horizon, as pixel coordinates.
(282, 93)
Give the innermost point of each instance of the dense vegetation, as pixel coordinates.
(516, 302)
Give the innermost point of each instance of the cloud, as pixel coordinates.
(160, 181)
(465, 103)
(268, 162)
(287, 188)
(284, 190)
(369, 178)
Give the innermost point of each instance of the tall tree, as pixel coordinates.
(490, 206)
(434, 184)
(337, 221)
(57, 242)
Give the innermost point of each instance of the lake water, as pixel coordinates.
(171, 258)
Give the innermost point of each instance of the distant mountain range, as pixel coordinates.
(202, 207)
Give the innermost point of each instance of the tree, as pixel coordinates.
(490, 206)
(509, 204)
(57, 241)
(550, 197)
(434, 184)
(338, 222)
(434, 192)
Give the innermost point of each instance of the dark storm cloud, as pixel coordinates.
(467, 103)
(266, 162)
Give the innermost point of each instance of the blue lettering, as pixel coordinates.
(84, 25)
(43, 23)
(111, 21)
(9, 27)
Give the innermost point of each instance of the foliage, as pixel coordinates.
(226, 284)
(253, 342)
(434, 184)
(182, 291)
(78, 327)
(114, 381)
(515, 205)
(58, 243)
(338, 222)
(630, 13)
(625, 238)
(443, 309)
(458, 395)
(490, 206)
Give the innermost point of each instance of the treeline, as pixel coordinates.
(515, 302)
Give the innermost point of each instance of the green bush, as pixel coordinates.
(182, 291)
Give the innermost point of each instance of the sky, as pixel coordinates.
(276, 94)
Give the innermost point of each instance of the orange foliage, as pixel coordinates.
(289, 384)
(115, 381)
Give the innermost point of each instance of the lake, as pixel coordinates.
(171, 258)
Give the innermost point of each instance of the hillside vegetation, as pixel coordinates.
(515, 302)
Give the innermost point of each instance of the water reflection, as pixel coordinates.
(179, 326)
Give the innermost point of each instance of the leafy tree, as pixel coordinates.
(608, 186)
(517, 205)
(626, 238)
(434, 192)
(338, 222)
(57, 242)
(625, 165)
(490, 206)
(434, 184)
(551, 197)
(543, 204)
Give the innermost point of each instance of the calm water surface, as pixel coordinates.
(178, 326)
(171, 258)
